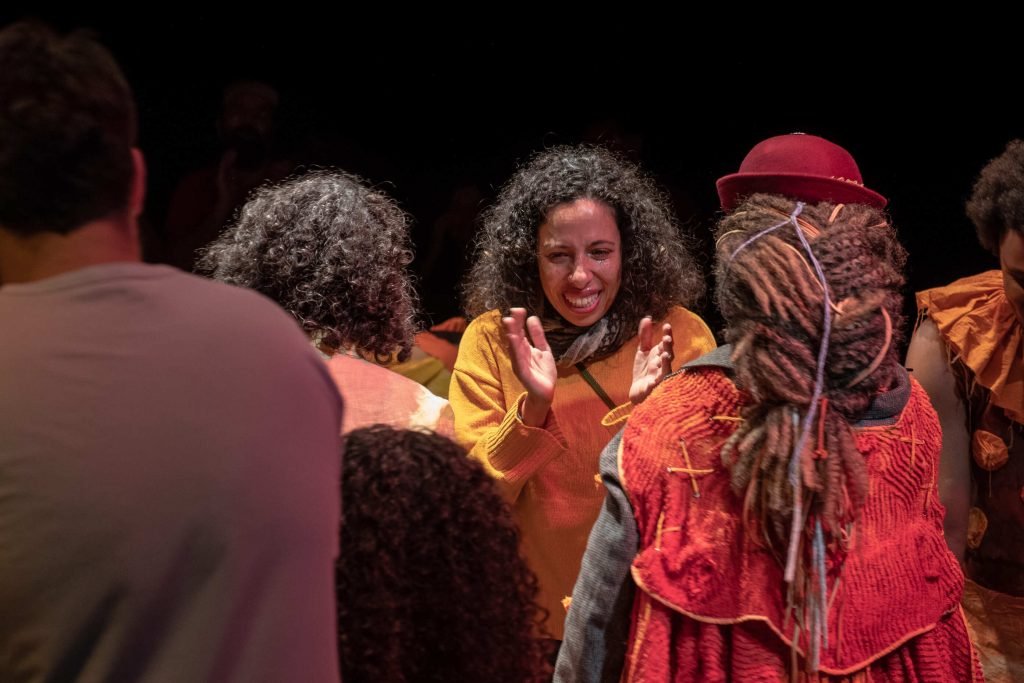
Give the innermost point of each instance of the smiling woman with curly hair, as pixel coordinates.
(657, 269)
(431, 586)
(583, 241)
(333, 253)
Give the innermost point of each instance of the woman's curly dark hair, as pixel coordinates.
(997, 202)
(332, 252)
(658, 270)
(431, 586)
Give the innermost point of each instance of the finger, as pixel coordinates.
(512, 330)
(513, 322)
(536, 331)
(666, 363)
(519, 347)
(668, 352)
(645, 332)
(519, 315)
(667, 346)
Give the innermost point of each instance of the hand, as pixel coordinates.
(653, 361)
(534, 365)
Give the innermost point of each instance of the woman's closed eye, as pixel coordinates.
(558, 257)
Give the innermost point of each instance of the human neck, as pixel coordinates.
(43, 255)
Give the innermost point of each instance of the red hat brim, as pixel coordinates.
(806, 188)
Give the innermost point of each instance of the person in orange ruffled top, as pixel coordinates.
(968, 353)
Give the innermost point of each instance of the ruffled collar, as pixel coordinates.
(979, 327)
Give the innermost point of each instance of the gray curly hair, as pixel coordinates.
(332, 252)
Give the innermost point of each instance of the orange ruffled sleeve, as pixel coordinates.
(979, 328)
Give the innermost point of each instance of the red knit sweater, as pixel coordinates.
(711, 602)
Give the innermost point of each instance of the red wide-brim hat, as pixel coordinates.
(802, 167)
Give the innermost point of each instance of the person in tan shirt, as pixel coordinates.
(169, 505)
(586, 244)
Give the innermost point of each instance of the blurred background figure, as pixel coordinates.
(206, 199)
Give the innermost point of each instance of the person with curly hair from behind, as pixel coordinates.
(333, 253)
(431, 585)
(584, 242)
(968, 352)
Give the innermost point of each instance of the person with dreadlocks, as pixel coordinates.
(772, 512)
(968, 353)
(586, 243)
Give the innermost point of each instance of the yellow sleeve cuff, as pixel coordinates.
(518, 451)
(617, 415)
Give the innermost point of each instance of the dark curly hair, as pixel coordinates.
(772, 302)
(658, 270)
(332, 252)
(997, 202)
(431, 586)
(67, 128)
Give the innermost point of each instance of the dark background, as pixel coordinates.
(427, 107)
